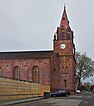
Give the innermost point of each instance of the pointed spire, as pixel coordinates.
(64, 20)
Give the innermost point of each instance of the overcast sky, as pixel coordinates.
(31, 24)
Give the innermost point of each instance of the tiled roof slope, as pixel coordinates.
(26, 54)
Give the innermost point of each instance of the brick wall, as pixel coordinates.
(14, 89)
(26, 68)
(54, 73)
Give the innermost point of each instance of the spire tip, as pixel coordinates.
(64, 6)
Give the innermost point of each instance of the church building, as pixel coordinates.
(55, 68)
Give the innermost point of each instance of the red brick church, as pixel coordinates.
(55, 68)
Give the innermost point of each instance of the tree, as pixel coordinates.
(87, 86)
(84, 67)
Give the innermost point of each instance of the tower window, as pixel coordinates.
(63, 35)
(68, 36)
(63, 18)
(65, 83)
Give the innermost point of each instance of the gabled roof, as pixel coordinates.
(27, 54)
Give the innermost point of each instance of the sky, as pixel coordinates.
(29, 25)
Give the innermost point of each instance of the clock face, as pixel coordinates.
(63, 46)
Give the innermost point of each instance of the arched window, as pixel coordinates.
(63, 35)
(36, 74)
(1, 72)
(16, 72)
(68, 36)
(65, 83)
(26, 72)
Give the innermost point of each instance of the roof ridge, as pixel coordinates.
(27, 54)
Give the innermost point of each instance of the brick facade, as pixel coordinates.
(26, 66)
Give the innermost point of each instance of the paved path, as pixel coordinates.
(83, 99)
(87, 100)
(56, 101)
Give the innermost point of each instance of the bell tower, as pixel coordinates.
(64, 46)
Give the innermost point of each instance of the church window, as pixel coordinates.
(54, 70)
(7, 67)
(25, 72)
(16, 72)
(68, 36)
(1, 72)
(36, 74)
(63, 18)
(65, 84)
(63, 35)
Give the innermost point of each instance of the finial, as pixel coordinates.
(55, 34)
(64, 5)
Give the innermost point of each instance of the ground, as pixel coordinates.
(82, 99)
